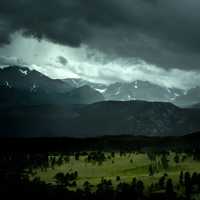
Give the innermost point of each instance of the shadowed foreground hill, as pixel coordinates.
(98, 119)
(104, 143)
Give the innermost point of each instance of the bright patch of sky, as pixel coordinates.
(90, 64)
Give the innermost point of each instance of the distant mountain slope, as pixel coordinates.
(25, 79)
(190, 98)
(84, 95)
(103, 118)
(76, 83)
(14, 97)
(195, 106)
(136, 90)
(22, 86)
(141, 90)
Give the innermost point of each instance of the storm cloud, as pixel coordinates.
(163, 33)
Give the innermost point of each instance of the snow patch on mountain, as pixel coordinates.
(177, 95)
(185, 92)
(24, 72)
(34, 88)
(7, 84)
(100, 90)
(136, 85)
(118, 91)
(169, 90)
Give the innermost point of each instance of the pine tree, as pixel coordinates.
(181, 178)
(176, 159)
(165, 162)
(169, 189)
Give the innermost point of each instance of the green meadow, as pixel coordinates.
(127, 167)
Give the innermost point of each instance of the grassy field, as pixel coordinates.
(127, 167)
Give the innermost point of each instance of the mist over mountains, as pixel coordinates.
(32, 81)
(34, 105)
(142, 90)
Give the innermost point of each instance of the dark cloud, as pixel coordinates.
(62, 60)
(165, 33)
(5, 31)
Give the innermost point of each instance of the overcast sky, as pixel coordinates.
(104, 40)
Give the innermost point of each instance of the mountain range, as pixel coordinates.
(24, 79)
(142, 90)
(34, 105)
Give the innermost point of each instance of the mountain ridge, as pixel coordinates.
(27, 79)
(99, 119)
(22, 85)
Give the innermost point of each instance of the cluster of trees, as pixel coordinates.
(188, 183)
(158, 161)
(58, 160)
(13, 165)
(66, 180)
(96, 157)
(32, 189)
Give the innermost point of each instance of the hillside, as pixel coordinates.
(98, 119)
